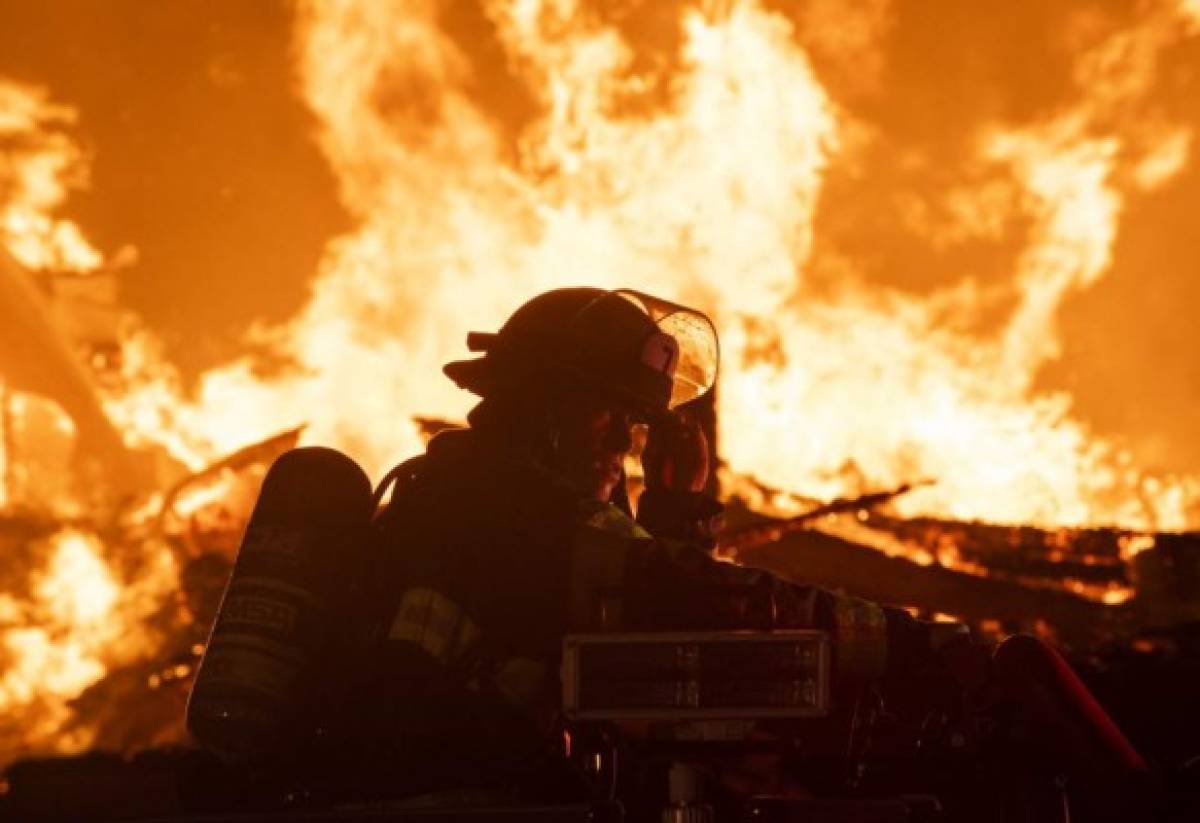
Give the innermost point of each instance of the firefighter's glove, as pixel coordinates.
(675, 464)
(676, 455)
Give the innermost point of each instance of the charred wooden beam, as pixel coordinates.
(825, 560)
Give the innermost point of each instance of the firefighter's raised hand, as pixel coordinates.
(676, 455)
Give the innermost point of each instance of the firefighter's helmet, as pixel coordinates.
(652, 353)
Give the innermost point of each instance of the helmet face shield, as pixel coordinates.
(652, 353)
(695, 370)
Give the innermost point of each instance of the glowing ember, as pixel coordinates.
(1135, 544)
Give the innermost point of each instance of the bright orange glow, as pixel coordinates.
(79, 620)
(35, 182)
(825, 394)
(701, 173)
(686, 198)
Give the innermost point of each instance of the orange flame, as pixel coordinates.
(704, 184)
(701, 180)
(80, 620)
(35, 179)
(67, 615)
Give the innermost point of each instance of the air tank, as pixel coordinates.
(286, 607)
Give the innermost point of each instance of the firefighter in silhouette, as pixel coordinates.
(505, 536)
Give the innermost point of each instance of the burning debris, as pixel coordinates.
(104, 620)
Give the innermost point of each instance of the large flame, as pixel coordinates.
(700, 177)
(69, 611)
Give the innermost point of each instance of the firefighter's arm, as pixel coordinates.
(870, 639)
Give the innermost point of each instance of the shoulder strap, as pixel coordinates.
(401, 476)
